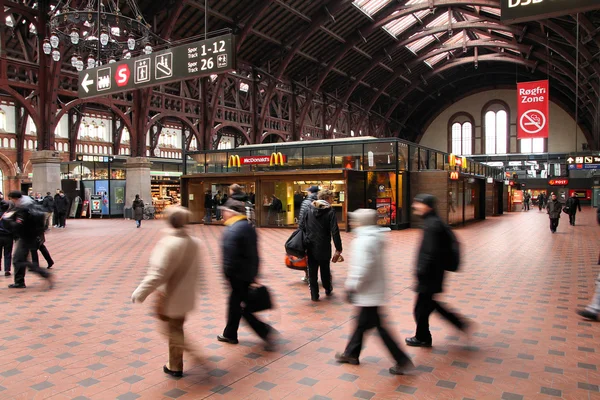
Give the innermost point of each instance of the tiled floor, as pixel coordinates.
(520, 285)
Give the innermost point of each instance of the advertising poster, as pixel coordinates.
(102, 190)
(518, 196)
(384, 211)
(96, 201)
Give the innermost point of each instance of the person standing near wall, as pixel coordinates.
(61, 204)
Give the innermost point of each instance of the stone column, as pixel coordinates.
(46, 171)
(138, 180)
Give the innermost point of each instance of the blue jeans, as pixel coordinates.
(208, 216)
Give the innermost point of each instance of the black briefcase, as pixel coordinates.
(259, 299)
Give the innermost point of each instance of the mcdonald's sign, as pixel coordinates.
(451, 160)
(277, 159)
(454, 175)
(234, 161)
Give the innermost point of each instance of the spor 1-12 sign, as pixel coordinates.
(533, 108)
(515, 11)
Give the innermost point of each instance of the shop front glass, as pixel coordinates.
(218, 193)
(384, 193)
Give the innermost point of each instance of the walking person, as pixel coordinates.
(138, 210)
(6, 238)
(592, 311)
(21, 222)
(208, 205)
(554, 209)
(304, 207)
(240, 267)
(431, 265)
(572, 205)
(61, 205)
(55, 213)
(319, 226)
(48, 206)
(173, 273)
(237, 193)
(541, 199)
(366, 288)
(216, 203)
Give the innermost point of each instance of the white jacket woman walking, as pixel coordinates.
(173, 272)
(366, 289)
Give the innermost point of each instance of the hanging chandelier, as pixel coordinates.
(98, 32)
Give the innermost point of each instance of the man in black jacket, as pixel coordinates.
(20, 222)
(6, 238)
(208, 205)
(240, 266)
(430, 271)
(48, 205)
(572, 205)
(319, 226)
(304, 207)
(554, 210)
(61, 205)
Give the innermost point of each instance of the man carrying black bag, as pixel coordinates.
(240, 266)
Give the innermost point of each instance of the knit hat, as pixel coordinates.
(235, 206)
(313, 189)
(427, 199)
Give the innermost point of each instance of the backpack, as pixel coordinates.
(453, 255)
(37, 219)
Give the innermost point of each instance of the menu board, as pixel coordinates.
(96, 204)
(384, 211)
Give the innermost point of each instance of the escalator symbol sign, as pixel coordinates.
(163, 67)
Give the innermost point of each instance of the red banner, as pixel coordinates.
(533, 105)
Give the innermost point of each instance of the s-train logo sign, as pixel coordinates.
(528, 10)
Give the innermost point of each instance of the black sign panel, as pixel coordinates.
(529, 10)
(203, 58)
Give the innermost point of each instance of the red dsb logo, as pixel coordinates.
(122, 75)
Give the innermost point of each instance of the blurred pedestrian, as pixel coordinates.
(6, 238)
(319, 226)
(138, 210)
(366, 290)
(208, 204)
(240, 267)
(554, 209)
(41, 246)
(431, 265)
(236, 192)
(21, 221)
(173, 273)
(592, 311)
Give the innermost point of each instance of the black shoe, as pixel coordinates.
(588, 315)
(7, 273)
(343, 358)
(414, 342)
(17, 286)
(50, 264)
(315, 298)
(224, 339)
(176, 374)
(328, 293)
(401, 368)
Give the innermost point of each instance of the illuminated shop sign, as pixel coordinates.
(558, 182)
(273, 159)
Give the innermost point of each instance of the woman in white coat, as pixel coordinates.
(173, 272)
(366, 289)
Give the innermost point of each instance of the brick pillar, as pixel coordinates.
(46, 171)
(138, 180)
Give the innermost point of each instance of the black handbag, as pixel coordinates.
(295, 245)
(259, 299)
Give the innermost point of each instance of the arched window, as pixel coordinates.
(496, 126)
(66, 146)
(85, 148)
(532, 145)
(460, 134)
(5, 143)
(60, 147)
(30, 144)
(2, 121)
(13, 143)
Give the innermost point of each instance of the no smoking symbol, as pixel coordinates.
(533, 121)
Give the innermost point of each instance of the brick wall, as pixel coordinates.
(434, 183)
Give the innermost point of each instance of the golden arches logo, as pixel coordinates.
(454, 176)
(234, 161)
(451, 160)
(277, 159)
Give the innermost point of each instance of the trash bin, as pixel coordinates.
(128, 213)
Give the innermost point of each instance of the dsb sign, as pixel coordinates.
(515, 11)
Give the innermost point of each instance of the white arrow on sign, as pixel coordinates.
(86, 83)
(570, 160)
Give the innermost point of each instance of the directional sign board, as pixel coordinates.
(203, 58)
(516, 11)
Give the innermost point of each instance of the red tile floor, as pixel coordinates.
(519, 284)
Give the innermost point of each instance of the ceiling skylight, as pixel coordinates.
(397, 27)
(425, 41)
(371, 7)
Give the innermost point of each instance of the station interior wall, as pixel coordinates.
(562, 126)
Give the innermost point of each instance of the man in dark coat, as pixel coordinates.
(138, 210)
(304, 207)
(18, 220)
(554, 210)
(61, 205)
(48, 206)
(319, 226)
(572, 205)
(541, 199)
(430, 271)
(208, 205)
(240, 267)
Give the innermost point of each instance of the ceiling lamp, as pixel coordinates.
(56, 55)
(98, 28)
(91, 61)
(79, 65)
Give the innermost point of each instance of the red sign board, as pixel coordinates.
(533, 106)
(558, 182)
(122, 75)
